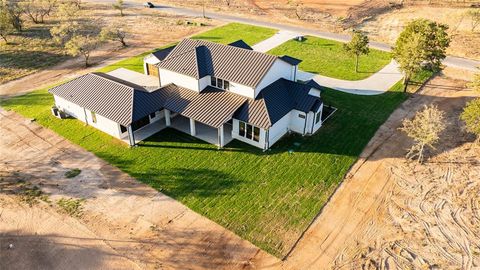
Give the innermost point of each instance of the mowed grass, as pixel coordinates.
(327, 58)
(231, 32)
(268, 198)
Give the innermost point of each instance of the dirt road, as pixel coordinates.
(359, 208)
(123, 224)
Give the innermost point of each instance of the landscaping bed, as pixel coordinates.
(328, 58)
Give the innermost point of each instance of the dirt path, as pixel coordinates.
(125, 224)
(360, 200)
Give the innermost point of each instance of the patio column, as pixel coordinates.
(167, 118)
(131, 136)
(221, 138)
(193, 132)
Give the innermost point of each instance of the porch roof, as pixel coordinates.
(211, 106)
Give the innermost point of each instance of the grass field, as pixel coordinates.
(327, 57)
(231, 32)
(268, 198)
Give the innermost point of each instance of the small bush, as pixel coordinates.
(72, 173)
(71, 206)
(32, 195)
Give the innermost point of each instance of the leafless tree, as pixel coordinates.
(37, 10)
(424, 129)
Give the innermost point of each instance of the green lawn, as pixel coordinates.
(268, 198)
(231, 32)
(327, 57)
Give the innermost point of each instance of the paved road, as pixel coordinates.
(451, 61)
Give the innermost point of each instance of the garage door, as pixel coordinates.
(152, 70)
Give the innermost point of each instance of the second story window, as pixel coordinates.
(219, 83)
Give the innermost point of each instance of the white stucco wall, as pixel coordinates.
(104, 124)
(167, 77)
(279, 69)
(279, 129)
(297, 124)
(204, 82)
(242, 90)
(259, 144)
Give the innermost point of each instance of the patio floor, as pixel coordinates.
(181, 123)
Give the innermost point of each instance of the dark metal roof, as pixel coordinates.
(212, 106)
(110, 97)
(291, 60)
(275, 101)
(230, 63)
(163, 53)
(315, 85)
(241, 44)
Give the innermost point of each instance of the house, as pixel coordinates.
(212, 91)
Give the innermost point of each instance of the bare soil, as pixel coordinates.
(120, 224)
(394, 214)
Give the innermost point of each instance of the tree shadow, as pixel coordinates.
(23, 59)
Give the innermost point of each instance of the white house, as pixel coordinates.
(212, 91)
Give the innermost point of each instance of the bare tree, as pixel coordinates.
(119, 5)
(424, 129)
(475, 17)
(82, 45)
(6, 27)
(37, 10)
(115, 33)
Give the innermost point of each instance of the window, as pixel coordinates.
(152, 115)
(256, 134)
(248, 131)
(123, 129)
(301, 116)
(241, 131)
(94, 117)
(219, 83)
(317, 119)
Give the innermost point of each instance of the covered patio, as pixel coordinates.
(203, 132)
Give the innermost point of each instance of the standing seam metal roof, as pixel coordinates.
(230, 63)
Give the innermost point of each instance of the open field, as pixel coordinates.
(296, 177)
(328, 58)
(394, 214)
(34, 50)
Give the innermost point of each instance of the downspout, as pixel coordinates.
(313, 122)
(267, 139)
(86, 119)
(304, 125)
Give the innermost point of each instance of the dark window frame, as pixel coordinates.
(213, 81)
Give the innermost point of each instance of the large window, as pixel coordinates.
(248, 131)
(219, 83)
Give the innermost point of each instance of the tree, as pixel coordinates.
(38, 9)
(69, 15)
(424, 129)
(6, 27)
(119, 6)
(82, 45)
(475, 16)
(357, 46)
(471, 116)
(423, 43)
(115, 33)
(475, 84)
(14, 13)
